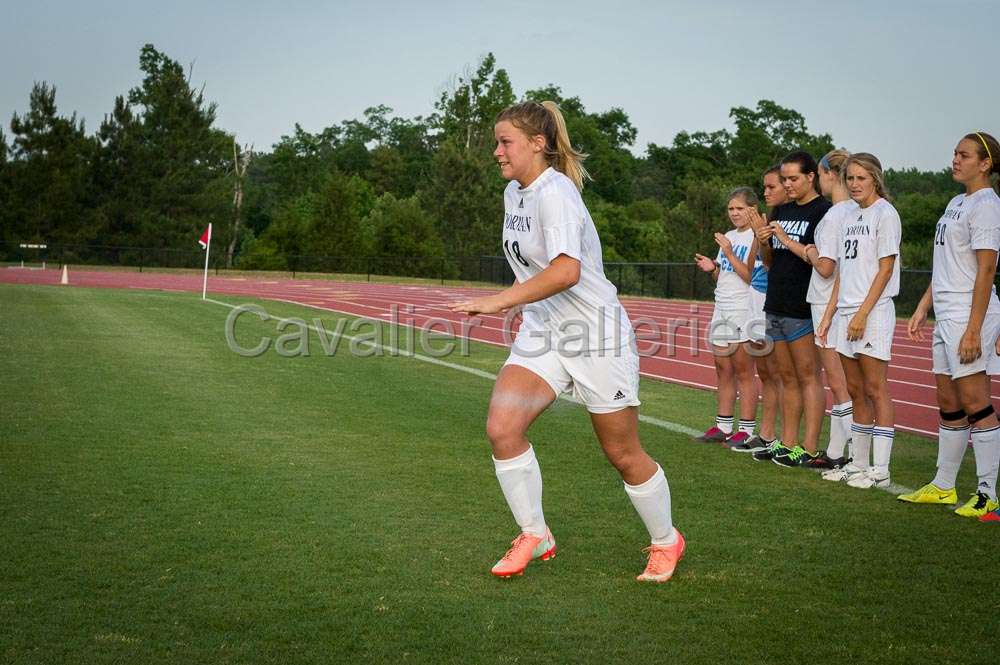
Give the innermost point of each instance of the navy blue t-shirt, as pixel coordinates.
(788, 278)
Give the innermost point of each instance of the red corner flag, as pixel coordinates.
(205, 241)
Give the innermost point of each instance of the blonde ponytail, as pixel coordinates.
(546, 119)
(564, 157)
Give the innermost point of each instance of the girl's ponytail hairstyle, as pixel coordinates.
(545, 118)
(987, 148)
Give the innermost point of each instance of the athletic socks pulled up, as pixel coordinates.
(952, 442)
(986, 445)
(521, 481)
(652, 501)
(841, 421)
(861, 444)
(882, 449)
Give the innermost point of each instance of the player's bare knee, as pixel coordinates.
(501, 433)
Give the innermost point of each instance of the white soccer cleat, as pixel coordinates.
(846, 473)
(868, 479)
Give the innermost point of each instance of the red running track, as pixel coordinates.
(682, 357)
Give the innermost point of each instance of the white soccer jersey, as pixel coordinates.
(868, 235)
(827, 233)
(541, 221)
(969, 223)
(731, 292)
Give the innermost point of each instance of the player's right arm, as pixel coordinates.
(914, 328)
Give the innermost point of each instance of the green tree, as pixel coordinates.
(49, 174)
(401, 228)
(178, 157)
(604, 137)
(464, 114)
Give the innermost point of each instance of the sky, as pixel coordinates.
(901, 80)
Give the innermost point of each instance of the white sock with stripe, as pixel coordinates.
(725, 423)
(521, 481)
(952, 442)
(747, 426)
(861, 445)
(652, 501)
(841, 419)
(986, 445)
(882, 449)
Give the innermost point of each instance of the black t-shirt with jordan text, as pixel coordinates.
(788, 278)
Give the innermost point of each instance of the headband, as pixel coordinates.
(988, 153)
(825, 163)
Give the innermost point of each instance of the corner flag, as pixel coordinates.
(205, 241)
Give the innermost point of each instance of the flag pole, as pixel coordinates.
(208, 248)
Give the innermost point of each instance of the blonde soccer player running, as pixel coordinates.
(735, 322)
(967, 324)
(867, 280)
(574, 336)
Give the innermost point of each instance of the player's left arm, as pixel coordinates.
(971, 345)
(562, 226)
(888, 241)
(984, 236)
(562, 273)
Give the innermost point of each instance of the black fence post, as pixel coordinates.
(642, 279)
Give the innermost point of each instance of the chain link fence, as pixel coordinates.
(656, 280)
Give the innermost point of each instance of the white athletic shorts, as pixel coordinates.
(733, 326)
(831, 334)
(877, 340)
(757, 325)
(948, 335)
(604, 381)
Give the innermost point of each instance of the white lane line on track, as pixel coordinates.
(647, 374)
(649, 420)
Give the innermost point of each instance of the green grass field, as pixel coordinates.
(164, 500)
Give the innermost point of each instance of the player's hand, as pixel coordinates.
(823, 329)
(779, 232)
(763, 233)
(970, 347)
(856, 328)
(486, 305)
(722, 241)
(914, 327)
(705, 263)
(755, 219)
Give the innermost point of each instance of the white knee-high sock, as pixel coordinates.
(882, 449)
(841, 419)
(986, 445)
(521, 481)
(952, 442)
(861, 444)
(652, 501)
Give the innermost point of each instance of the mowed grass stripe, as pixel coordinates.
(164, 499)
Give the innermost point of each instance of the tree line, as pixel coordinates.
(157, 169)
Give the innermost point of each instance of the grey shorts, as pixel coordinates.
(787, 329)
